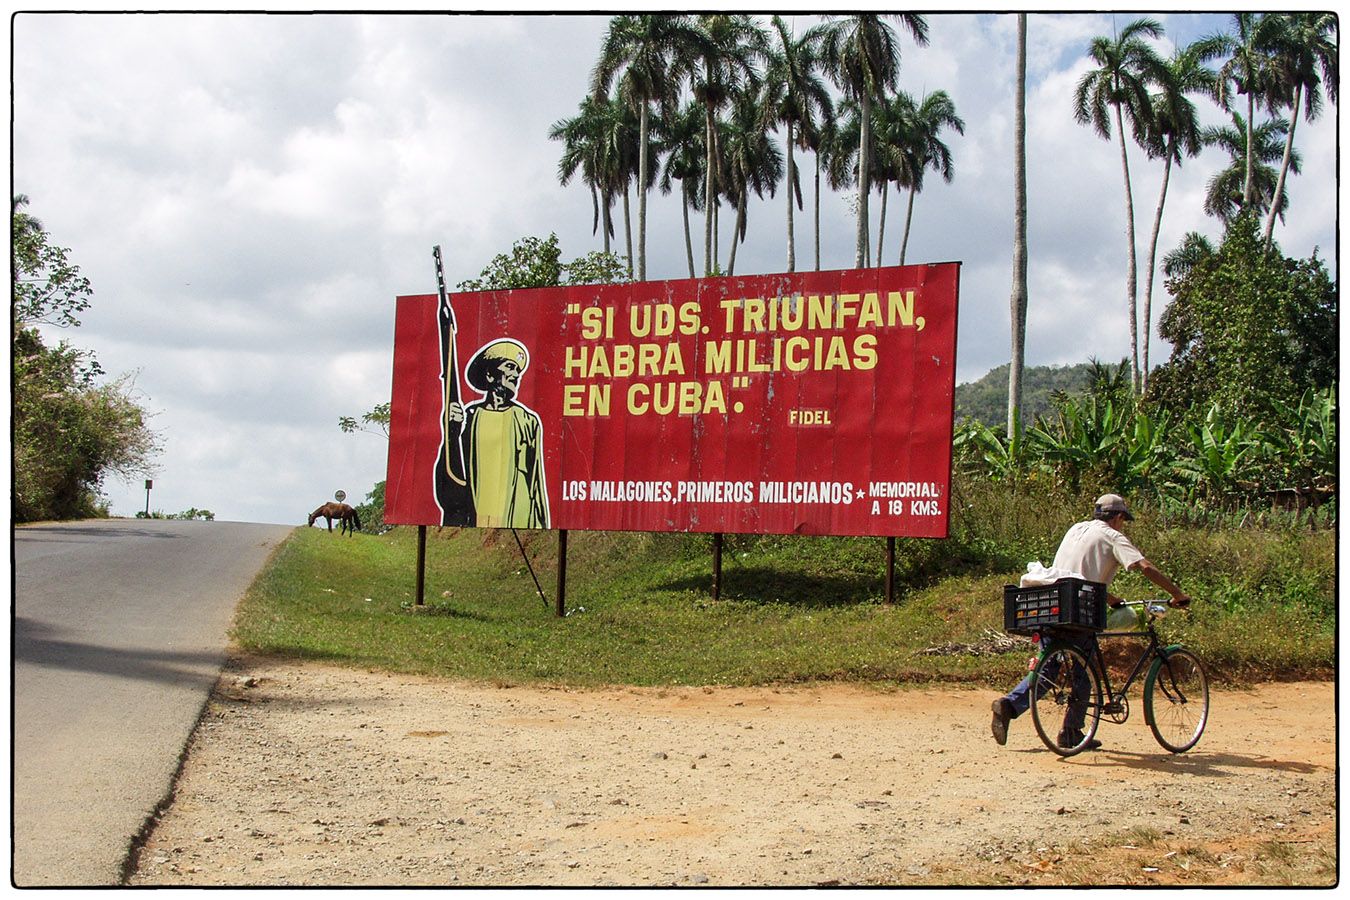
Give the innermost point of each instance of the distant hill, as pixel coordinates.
(986, 400)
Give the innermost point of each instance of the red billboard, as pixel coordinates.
(806, 403)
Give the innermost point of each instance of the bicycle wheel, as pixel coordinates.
(1066, 699)
(1176, 699)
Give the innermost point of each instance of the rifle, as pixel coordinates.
(452, 489)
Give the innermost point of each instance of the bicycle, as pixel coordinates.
(1065, 681)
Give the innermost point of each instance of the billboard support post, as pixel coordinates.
(560, 604)
(717, 566)
(890, 570)
(421, 563)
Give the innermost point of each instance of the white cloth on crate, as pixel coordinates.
(1038, 575)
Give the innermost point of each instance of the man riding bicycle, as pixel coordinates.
(1096, 550)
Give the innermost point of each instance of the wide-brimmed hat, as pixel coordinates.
(505, 349)
(1113, 504)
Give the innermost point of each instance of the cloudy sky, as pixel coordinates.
(249, 193)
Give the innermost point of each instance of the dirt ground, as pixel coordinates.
(310, 774)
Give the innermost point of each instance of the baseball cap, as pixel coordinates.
(1114, 503)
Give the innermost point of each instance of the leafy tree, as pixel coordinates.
(189, 514)
(1249, 330)
(371, 512)
(537, 262)
(1126, 66)
(47, 287)
(69, 431)
(985, 399)
(378, 417)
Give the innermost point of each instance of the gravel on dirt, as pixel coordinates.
(304, 773)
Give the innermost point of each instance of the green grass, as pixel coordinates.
(793, 609)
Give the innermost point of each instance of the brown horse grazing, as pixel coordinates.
(345, 515)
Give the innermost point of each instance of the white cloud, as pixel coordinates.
(249, 193)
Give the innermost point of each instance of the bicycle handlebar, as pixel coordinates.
(1155, 608)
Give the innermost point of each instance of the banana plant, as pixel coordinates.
(1217, 459)
(1300, 448)
(1002, 459)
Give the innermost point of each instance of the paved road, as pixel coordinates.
(119, 634)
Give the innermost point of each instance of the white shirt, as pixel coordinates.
(1096, 550)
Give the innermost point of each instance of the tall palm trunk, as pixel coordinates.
(791, 237)
(864, 165)
(736, 233)
(1251, 155)
(817, 211)
(709, 186)
(628, 230)
(1284, 167)
(717, 233)
(1132, 274)
(1152, 261)
(609, 219)
(909, 217)
(881, 225)
(605, 219)
(1019, 285)
(642, 192)
(595, 208)
(684, 209)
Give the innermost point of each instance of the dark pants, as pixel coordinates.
(1020, 696)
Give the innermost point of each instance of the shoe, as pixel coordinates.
(1003, 713)
(1069, 739)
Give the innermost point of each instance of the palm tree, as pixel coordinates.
(923, 148)
(586, 149)
(730, 45)
(1175, 132)
(885, 157)
(821, 141)
(1307, 48)
(1225, 191)
(649, 56)
(862, 55)
(1194, 249)
(1127, 64)
(683, 146)
(796, 97)
(753, 162)
(1248, 70)
(891, 121)
(840, 154)
(1018, 301)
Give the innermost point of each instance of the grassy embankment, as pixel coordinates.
(792, 609)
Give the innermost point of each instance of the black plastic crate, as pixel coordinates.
(1070, 603)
